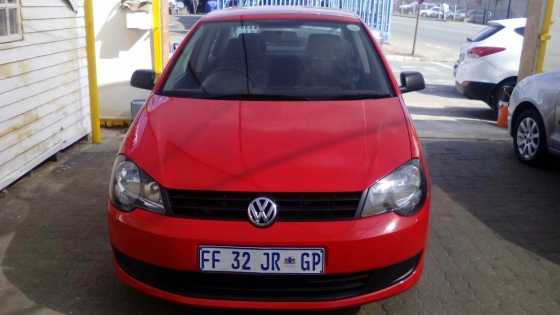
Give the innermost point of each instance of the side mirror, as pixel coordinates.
(143, 79)
(412, 81)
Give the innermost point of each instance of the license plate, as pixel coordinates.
(262, 260)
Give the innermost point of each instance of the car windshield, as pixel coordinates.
(279, 60)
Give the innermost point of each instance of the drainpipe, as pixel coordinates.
(544, 37)
(96, 135)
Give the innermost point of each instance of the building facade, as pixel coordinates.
(44, 99)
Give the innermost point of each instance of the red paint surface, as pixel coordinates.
(272, 146)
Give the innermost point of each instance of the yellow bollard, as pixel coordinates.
(157, 35)
(544, 37)
(96, 135)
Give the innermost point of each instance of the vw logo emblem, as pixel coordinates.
(262, 212)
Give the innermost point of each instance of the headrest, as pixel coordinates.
(255, 45)
(234, 51)
(324, 46)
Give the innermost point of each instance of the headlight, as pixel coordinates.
(132, 188)
(403, 191)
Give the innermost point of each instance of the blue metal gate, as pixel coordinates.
(375, 13)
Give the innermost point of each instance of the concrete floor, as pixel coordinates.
(494, 244)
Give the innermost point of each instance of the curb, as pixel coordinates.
(403, 58)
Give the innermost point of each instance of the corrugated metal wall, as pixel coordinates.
(44, 104)
(375, 13)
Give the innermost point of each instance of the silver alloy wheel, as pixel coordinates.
(528, 138)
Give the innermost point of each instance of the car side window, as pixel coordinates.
(520, 31)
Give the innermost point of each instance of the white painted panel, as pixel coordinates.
(32, 26)
(29, 65)
(38, 88)
(17, 54)
(77, 97)
(27, 79)
(16, 168)
(46, 37)
(28, 104)
(49, 3)
(24, 140)
(39, 13)
(44, 96)
(14, 141)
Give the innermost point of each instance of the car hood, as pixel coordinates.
(269, 146)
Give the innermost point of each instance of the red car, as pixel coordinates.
(274, 166)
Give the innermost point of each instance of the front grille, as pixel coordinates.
(226, 286)
(291, 206)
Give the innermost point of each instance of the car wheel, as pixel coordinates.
(529, 137)
(498, 94)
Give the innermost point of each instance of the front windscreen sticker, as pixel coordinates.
(353, 28)
(246, 29)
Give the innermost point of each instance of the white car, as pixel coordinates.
(407, 7)
(490, 60)
(434, 12)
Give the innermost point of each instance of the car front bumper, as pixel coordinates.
(158, 255)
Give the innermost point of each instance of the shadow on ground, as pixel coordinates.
(58, 255)
(442, 90)
(520, 203)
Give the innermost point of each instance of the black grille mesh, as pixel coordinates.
(291, 206)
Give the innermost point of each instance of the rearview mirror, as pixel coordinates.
(412, 81)
(143, 79)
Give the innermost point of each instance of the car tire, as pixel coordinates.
(529, 137)
(498, 94)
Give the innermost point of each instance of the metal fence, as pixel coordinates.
(375, 13)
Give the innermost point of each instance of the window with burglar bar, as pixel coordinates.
(10, 21)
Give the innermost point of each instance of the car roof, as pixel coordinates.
(280, 12)
(510, 23)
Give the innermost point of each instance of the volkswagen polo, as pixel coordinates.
(273, 166)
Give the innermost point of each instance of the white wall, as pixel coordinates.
(120, 51)
(44, 99)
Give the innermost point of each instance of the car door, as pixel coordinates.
(555, 132)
